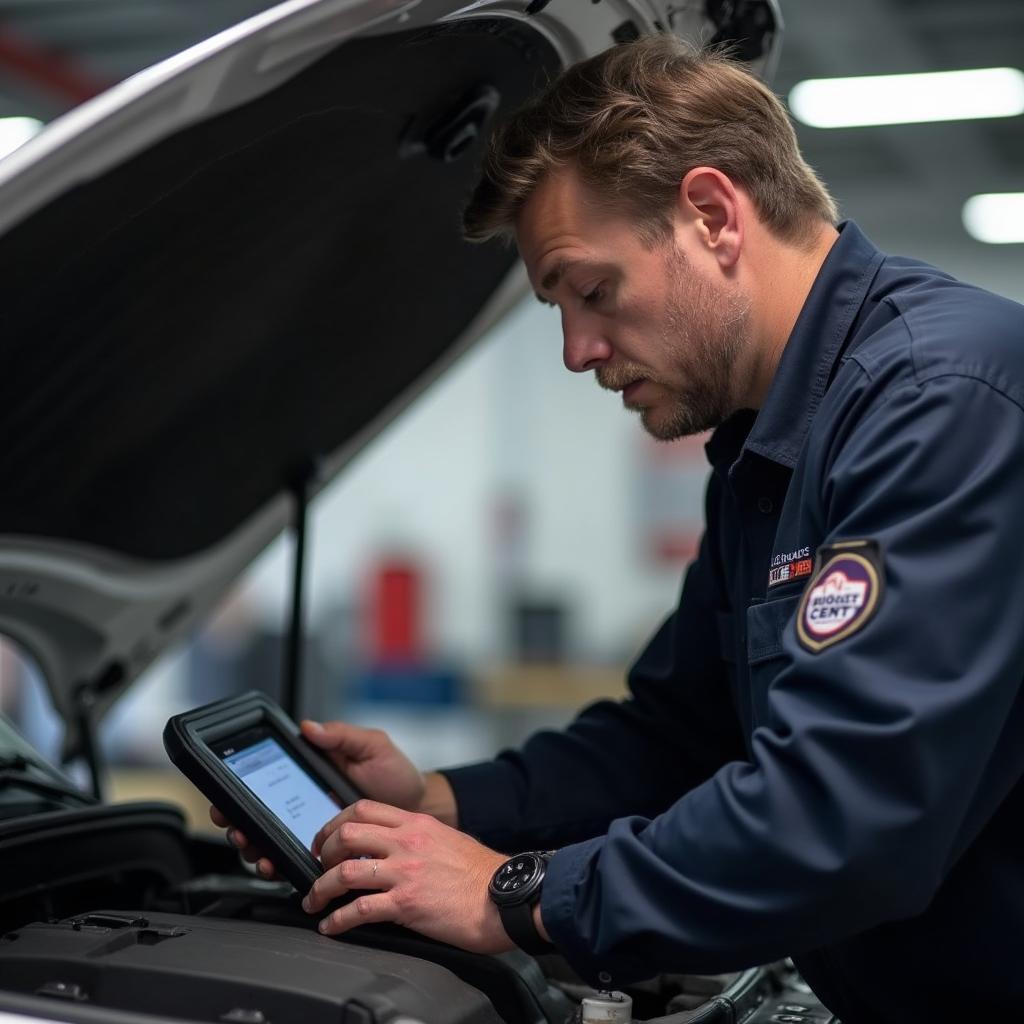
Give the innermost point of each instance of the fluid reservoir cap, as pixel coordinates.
(607, 1008)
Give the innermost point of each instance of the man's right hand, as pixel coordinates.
(376, 766)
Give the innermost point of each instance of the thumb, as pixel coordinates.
(347, 740)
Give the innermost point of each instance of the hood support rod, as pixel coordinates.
(300, 488)
(84, 700)
(90, 751)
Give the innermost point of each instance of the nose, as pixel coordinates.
(584, 346)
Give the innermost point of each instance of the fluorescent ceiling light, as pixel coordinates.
(996, 218)
(907, 99)
(16, 130)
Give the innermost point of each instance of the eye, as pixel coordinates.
(594, 296)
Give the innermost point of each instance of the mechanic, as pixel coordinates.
(822, 747)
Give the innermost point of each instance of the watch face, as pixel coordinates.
(517, 879)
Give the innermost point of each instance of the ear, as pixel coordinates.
(710, 205)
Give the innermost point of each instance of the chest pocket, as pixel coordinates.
(766, 624)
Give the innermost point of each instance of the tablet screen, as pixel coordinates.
(273, 775)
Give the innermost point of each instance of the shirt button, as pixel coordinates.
(765, 505)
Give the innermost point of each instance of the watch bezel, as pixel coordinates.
(529, 887)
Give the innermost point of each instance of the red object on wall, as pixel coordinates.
(671, 479)
(674, 547)
(395, 613)
(47, 69)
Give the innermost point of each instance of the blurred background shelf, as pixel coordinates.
(549, 686)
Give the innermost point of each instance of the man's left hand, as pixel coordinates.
(431, 878)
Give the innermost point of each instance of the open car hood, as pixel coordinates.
(227, 274)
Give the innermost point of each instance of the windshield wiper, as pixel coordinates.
(16, 770)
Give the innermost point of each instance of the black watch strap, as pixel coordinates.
(518, 923)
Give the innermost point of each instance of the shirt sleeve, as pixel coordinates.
(878, 758)
(634, 756)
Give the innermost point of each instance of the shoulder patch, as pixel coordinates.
(842, 596)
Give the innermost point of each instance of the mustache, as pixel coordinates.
(615, 378)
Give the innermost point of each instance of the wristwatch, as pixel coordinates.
(515, 890)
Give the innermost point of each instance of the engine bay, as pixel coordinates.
(118, 908)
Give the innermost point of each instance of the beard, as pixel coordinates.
(704, 330)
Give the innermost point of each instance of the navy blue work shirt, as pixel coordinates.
(822, 749)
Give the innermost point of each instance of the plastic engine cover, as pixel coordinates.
(193, 968)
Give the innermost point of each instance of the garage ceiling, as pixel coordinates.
(905, 184)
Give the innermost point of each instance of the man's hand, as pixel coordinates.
(427, 876)
(373, 762)
(245, 848)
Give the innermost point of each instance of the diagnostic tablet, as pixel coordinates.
(248, 758)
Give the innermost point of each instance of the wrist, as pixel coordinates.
(515, 888)
(438, 799)
(538, 923)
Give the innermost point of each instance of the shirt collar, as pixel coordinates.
(811, 353)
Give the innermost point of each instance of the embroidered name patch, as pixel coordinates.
(843, 596)
(794, 566)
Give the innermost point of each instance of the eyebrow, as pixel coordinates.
(555, 274)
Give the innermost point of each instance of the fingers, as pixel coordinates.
(368, 812)
(354, 839)
(318, 840)
(266, 869)
(350, 741)
(372, 812)
(234, 837)
(248, 852)
(359, 873)
(251, 855)
(239, 841)
(379, 906)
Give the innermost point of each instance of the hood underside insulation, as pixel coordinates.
(181, 334)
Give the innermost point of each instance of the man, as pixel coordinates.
(822, 750)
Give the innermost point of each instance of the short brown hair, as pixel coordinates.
(633, 121)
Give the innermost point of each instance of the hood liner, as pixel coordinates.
(185, 332)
